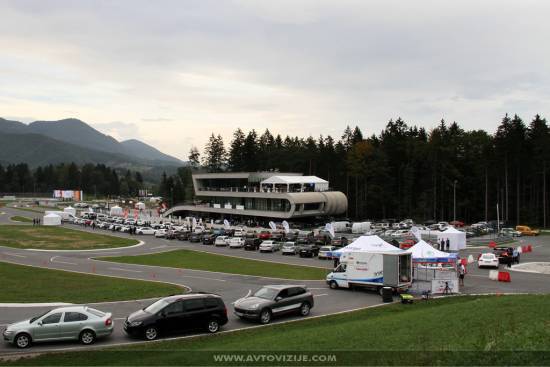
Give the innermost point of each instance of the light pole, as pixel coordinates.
(454, 201)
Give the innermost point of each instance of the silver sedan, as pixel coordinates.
(67, 323)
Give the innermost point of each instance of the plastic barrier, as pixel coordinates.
(524, 249)
(464, 262)
(529, 248)
(504, 276)
(493, 274)
(519, 249)
(470, 259)
(492, 244)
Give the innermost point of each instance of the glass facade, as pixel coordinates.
(263, 204)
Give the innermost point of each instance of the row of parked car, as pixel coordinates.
(167, 316)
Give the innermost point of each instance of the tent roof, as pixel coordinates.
(452, 229)
(69, 207)
(52, 215)
(294, 180)
(372, 244)
(423, 250)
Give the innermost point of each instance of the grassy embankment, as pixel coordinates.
(57, 238)
(491, 330)
(28, 284)
(18, 218)
(188, 259)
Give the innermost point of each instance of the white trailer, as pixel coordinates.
(373, 270)
(360, 227)
(65, 216)
(343, 226)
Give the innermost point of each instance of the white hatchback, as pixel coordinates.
(236, 242)
(488, 260)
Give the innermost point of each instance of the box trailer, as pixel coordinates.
(373, 270)
(360, 227)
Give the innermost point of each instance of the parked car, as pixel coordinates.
(221, 241)
(308, 251)
(66, 323)
(504, 253)
(275, 300)
(239, 232)
(178, 313)
(270, 246)
(264, 235)
(527, 231)
(236, 242)
(325, 252)
(195, 237)
(289, 248)
(401, 233)
(510, 232)
(145, 230)
(488, 259)
(209, 239)
(170, 234)
(160, 233)
(182, 235)
(252, 244)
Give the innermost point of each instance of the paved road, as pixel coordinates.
(230, 287)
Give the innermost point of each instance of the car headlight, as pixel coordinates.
(8, 332)
(136, 323)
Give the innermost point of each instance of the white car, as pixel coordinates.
(221, 241)
(145, 230)
(236, 242)
(199, 229)
(270, 246)
(160, 233)
(239, 232)
(401, 233)
(488, 260)
(325, 252)
(289, 248)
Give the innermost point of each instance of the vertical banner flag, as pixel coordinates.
(286, 226)
(272, 225)
(330, 229)
(225, 224)
(416, 233)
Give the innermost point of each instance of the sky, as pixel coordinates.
(170, 73)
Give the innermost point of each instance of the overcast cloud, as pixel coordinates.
(172, 72)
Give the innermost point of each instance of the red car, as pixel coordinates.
(264, 235)
(407, 244)
(457, 223)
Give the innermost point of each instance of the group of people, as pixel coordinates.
(36, 221)
(444, 245)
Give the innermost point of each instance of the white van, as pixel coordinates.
(360, 227)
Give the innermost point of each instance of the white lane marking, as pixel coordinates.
(191, 276)
(16, 255)
(130, 270)
(140, 243)
(155, 248)
(320, 295)
(52, 260)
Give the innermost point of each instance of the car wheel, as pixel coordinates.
(333, 284)
(265, 317)
(304, 309)
(213, 326)
(151, 333)
(87, 337)
(22, 341)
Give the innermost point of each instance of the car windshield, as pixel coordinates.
(156, 307)
(266, 293)
(37, 317)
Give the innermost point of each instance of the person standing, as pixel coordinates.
(461, 274)
(442, 245)
(447, 244)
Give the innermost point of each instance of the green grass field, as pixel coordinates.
(36, 209)
(19, 218)
(187, 259)
(57, 238)
(28, 284)
(491, 330)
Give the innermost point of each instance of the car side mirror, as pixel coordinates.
(40, 323)
(277, 299)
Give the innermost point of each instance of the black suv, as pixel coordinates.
(252, 244)
(195, 237)
(178, 313)
(308, 250)
(209, 239)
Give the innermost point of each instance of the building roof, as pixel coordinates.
(279, 179)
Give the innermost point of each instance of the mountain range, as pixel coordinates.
(71, 140)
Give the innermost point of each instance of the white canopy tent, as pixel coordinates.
(370, 244)
(424, 252)
(116, 210)
(70, 210)
(457, 239)
(272, 182)
(51, 220)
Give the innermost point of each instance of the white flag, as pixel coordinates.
(193, 222)
(416, 233)
(330, 229)
(272, 226)
(286, 226)
(225, 224)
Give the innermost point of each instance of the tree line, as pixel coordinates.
(404, 171)
(95, 180)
